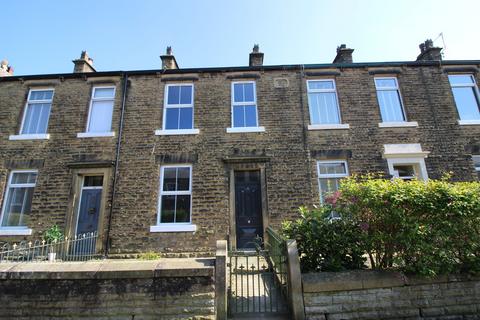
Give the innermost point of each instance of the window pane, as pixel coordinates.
(328, 186)
(238, 116)
(385, 83)
(238, 92)
(405, 170)
(173, 95)
(250, 116)
(24, 177)
(466, 102)
(320, 85)
(172, 115)
(169, 179)
(36, 118)
(101, 116)
(390, 106)
(186, 118)
(18, 207)
(183, 209)
(185, 94)
(103, 93)
(332, 168)
(183, 179)
(248, 92)
(476, 162)
(41, 95)
(93, 181)
(323, 108)
(167, 213)
(460, 79)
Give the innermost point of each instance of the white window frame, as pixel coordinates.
(324, 126)
(164, 130)
(391, 124)
(473, 159)
(466, 85)
(233, 104)
(34, 136)
(173, 226)
(406, 154)
(327, 176)
(87, 133)
(15, 230)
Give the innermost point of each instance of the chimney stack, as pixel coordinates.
(344, 54)
(256, 57)
(84, 64)
(168, 60)
(428, 52)
(5, 69)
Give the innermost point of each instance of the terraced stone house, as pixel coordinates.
(173, 159)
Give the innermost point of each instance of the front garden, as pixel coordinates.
(426, 228)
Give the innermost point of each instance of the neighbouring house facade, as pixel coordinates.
(172, 160)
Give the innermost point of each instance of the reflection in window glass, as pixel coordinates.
(244, 109)
(18, 199)
(465, 94)
(322, 102)
(329, 175)
(179, 107)
(175, 195)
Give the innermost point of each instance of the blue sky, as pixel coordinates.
(43, 36)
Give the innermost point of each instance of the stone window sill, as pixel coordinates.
(15, 231)
(95, 134)
(35, 136)
(398, 124)
(176, 132)
(328, 126)
(245, 129)
(174, 227)
(468, 122)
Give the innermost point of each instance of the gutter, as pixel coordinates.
(117, 158)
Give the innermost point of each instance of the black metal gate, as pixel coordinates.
(258, 282)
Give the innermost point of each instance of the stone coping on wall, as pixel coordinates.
(370, 279)
(109, 269)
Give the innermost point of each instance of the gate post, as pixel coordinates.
(221, 280)
(295, 283)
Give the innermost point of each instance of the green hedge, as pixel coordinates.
(426, 228)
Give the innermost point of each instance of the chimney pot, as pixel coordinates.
(5, 69)
(256, 57)
(428, 52)
(168, 59)
(84, 64)
(344, 54)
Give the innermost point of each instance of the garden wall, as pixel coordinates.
(389, 295)
(161, 289)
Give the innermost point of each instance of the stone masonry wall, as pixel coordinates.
(108, 290)
(363, 295)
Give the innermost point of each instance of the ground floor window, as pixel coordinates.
(329, 175)
(175, 194)
(476, 163)
(18, 198)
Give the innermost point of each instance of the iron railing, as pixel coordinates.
(81, 247)
(277, 248)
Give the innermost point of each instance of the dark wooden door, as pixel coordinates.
(89, 210)
(248, 208)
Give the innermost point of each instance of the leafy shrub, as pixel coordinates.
(54, 234)
(426, 228)
(326, 245)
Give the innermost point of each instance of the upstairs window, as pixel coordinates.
(323, 102)
(175, 194)
(465, 93)
(37, 112)
(244, 105)
(389, 99)
(18, 198)
(178, 110)
(101, 110)
(329, 175)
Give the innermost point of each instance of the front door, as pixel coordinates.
(248, 208)
(89, 208)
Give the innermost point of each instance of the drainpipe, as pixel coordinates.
(117, 158)
(304, 124)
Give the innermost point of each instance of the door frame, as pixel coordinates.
(263, 190)
(74, 201)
